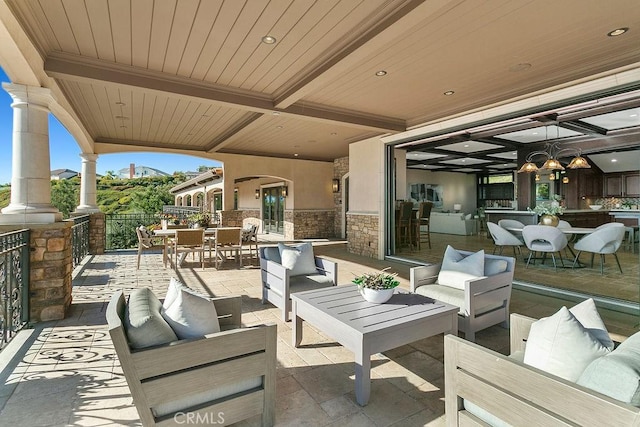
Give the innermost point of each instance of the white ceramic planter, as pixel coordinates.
(376, 296)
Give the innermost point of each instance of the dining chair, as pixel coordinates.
(502, 238)
(147, 242)
(545, 239)
(227, 239)
(188, 241)
(606, 239)
(250, 238)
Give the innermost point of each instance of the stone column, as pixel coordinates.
(30, 173)
(88, 184)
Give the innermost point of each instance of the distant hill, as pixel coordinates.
(114, 195)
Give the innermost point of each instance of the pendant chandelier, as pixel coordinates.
(552, 153)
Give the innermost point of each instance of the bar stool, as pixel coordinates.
(631, 234)
(422, 222)
(404, 224)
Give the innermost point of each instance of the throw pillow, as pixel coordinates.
(191, 315)
(587, 314)
(272, 253)
(299, 259)
(560, 345)
(143, 321)
(454, 263)
(494, 266)
(617, 374)
(172, 292)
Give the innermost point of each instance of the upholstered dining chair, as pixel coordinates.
(606, 239)
(545, 239)
(502, 238)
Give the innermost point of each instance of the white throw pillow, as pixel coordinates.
(299, 259)
(494, 266)
(587, 314)
(191, 315)
(456, 269)
(560, 345)
(172, 292)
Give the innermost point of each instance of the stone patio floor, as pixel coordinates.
(65, 372)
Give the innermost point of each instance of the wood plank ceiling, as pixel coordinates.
(194, 75)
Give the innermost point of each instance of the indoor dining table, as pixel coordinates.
(166, 235)
(572, 231)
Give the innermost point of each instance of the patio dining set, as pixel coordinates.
(177, 243)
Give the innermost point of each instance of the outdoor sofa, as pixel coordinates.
(483, 387)
(218, 378)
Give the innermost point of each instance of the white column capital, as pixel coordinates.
(29, 96)
(88, 157)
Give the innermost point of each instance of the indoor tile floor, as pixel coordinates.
(66, 373)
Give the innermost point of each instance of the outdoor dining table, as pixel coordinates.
(166, 234)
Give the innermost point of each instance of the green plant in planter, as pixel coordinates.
(201, 218)
(378, 280)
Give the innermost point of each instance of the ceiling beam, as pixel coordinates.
(395, 25)
(94, 71)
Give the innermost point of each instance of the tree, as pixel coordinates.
(151, 199)
(65, 195)
(203, 168)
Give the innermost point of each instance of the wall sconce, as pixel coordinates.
(285, 191)
(537, 177)
(335, 185)
(257, 193)
(565, 180)
(552, 177)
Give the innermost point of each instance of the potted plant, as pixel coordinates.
(377, 287)
(549, 211)
(199, 219)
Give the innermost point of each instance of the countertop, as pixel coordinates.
(569, 211)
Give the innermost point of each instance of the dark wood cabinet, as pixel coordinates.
(632, 185)
(583, 184)
(626, 184)
(613, 185)
(586, 219)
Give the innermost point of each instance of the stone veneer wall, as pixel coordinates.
(240, 218)
(51, 267)
(362, 232)
(313, 224)
(340, 169)
(97, 233)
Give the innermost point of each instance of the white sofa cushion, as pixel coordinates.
(560, 345)
(299, 259)
(617, 374)
(143, 321)
(587, 314)
(456, 269)
(191, 315)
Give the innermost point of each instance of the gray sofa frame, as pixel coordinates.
(168, 372)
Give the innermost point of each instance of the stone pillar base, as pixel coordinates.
(30, 218)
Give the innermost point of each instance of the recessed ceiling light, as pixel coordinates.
(449, 93)
(295, 155)
(334, 133)
(276, 113)
(122, 117)
(466, 145)
(614, 160)
(633, 115)
(278, 127)
(618, 31)
(268, 40)
(520, 67)
(120, 103)
(381, 73)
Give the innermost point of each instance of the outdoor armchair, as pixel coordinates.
(483, 296)
(281, 277)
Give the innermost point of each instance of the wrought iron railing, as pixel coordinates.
(14, 283)
(121, 229)
(79, 238)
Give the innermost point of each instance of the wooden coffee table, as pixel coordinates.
(365, 328)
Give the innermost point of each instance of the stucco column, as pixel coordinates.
(30, 174)
(88, 184)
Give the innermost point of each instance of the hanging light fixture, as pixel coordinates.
(552, 152)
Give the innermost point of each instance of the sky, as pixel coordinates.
(65, 151)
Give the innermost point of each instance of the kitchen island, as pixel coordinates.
(587, 218)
